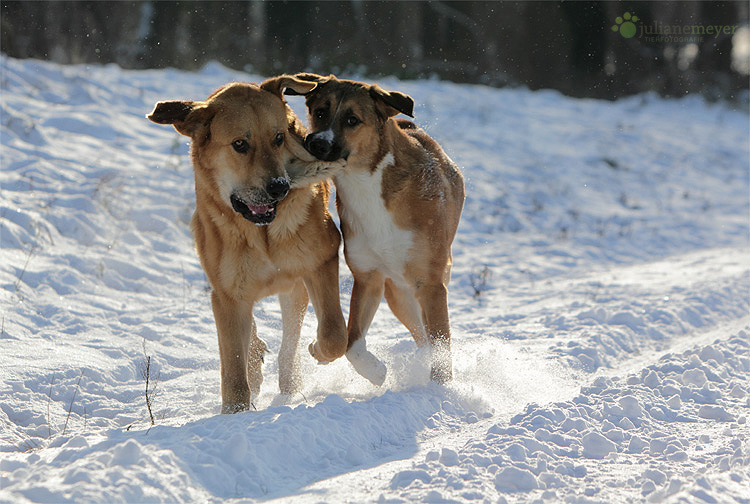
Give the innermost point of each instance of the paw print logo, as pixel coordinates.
(625, 25)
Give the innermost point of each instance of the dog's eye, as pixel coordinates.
(352, 121)
(278, 139)
(320, 113)
(241, 145)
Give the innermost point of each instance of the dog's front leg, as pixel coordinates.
(405, 307)
(366, 295)
(240, 351)
(293, 307)
(323, 287)
(433, 298)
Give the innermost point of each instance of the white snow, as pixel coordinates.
(599, 305)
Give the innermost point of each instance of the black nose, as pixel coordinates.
(278, 188)
(318, 147)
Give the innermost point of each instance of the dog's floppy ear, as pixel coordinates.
(186, 116)
(308, 77)
(391, 103)
(289, 84)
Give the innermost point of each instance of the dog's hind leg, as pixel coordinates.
(433, 298)
(255, 357)
(293, 307)
(405, 307)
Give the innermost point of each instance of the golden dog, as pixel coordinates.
(261, 227)
(400, 199)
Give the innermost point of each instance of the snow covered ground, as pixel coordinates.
(600, 306)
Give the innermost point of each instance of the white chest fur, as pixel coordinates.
(374, 241)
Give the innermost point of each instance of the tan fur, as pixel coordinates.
(295, 255)
(423, 193)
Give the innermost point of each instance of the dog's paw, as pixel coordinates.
(290, 381)
(232, 408)
(255, 359)
(441, 368)
(282, 400)
(441, 374)
(313, 349)
(366, 364)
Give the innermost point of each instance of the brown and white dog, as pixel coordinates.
(261, 227)
(400, 199)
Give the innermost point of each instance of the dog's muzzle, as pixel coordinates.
(322, 147)
(261, 215)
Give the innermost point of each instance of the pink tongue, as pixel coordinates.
(259, 209)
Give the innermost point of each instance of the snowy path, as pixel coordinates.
(599, 303)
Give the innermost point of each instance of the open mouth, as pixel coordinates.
(262, 215)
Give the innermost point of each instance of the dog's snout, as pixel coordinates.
(278, 188)
(318, 147)
(324, 146)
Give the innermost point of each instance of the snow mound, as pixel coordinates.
(622, 431)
